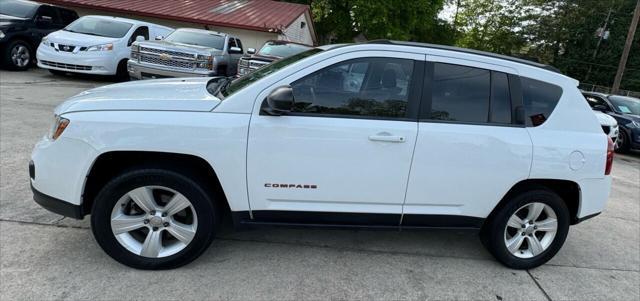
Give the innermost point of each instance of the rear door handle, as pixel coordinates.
(386, 137)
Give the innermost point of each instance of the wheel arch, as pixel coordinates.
(569, 192)
(109, 164)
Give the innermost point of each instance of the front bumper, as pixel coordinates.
(57, 206)
(144, 71)
(58, 171)
(99, 63)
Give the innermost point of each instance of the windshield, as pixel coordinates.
(625, 104)
(282, 50)
(20, 9)
(99, 27)
(205, 39)
(229, 87)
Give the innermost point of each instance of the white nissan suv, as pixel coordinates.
(383, 134)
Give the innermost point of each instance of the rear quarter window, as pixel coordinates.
(539, 99)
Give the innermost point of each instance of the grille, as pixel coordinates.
(66, 66)
(66, 48)
(606, 129)
(169, 52)
(171, 63)
(243, 63)
(257, 64)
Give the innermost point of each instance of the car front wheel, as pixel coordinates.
(529, 230)
(18, 55)
(153, 219)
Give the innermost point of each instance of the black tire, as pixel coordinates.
(622, 143)
(493, 233)
(122, 74)
(108, 197)
(57, 72)
(7, 54)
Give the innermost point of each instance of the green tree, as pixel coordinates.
(344, 20)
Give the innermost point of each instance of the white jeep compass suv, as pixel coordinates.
(384, 134)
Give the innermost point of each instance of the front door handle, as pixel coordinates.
(386, 137)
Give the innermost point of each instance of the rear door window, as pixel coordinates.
(539, 99)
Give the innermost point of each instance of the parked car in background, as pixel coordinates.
(626, 111)
(95, 45)
(431, 137)
(609, 125)
(186, 52)
(22, 26)
(271, 51)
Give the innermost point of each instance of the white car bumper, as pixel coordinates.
(58, 170)
(93, 62)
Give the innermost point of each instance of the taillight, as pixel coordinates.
(607, 169)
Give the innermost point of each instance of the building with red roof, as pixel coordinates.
(254, 21)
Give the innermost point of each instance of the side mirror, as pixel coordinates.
(235, 50)
(139, 38)
(279, 102)
(600, 108)
(159, 38)
(251, 51)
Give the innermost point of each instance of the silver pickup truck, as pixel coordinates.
(186, 52)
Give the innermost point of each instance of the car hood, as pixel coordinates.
(174, 94)
(7, 21)
(78, 39)
(180, 47)
(605, 119)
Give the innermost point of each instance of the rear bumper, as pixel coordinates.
(57, 206)
(140, 71)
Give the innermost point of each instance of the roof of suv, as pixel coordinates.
(202, 31)
(471, 51)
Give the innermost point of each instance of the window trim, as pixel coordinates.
(427, 97)
(413, 93)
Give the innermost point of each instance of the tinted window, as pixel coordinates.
(596, 101)
(500, 98)
(626, 104)
(240, 45)
(206, 39)
(18, 9)
(99, 27)
(67, 16)
(539, 99)
(232, 42)
(265, 71)
(460, 93)
(374, 87)
(141, 31)
(48, 13)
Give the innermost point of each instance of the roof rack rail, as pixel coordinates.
(470, 51)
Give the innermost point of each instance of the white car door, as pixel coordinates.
(470, 149)
(345, 148)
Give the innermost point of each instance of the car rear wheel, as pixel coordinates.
(622, 144)
(153, 219)
(18, 55)
(529, 230)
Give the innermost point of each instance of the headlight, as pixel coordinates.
(205, 62)
(1, 34)
(635, 123)
(103, 47)
(59, 125)
(135, 47)
(45, 40)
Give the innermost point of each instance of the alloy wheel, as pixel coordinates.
(20, 55)
(619, 142)
(530, 230)
(154, 221)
